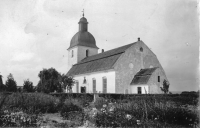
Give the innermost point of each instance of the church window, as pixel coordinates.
(94, 85)
(158, 78)
(139, 90)
(77, 86)
(72, 53)
(87, 53)
(141, 49)
(104, 85)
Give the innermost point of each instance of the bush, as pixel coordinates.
(17, 118)
(147, 111)
(32, 102)
(72, 110)
(70, 105)
(100, 101)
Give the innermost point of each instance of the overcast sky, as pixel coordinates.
(34, 34)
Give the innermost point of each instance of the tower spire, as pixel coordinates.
(83, 12)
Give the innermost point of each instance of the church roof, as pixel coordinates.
(142, 77)
(83, 38)
(83, 19)
(99, 62)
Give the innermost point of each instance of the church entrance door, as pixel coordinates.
(83, 89)
(139, 90)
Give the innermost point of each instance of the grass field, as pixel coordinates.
(38, 109)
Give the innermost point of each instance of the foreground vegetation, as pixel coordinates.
(27, 109)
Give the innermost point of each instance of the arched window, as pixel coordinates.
(141, 49)
(77, 86)
(94, 85)
(72, 53)
(104, 85)
(87, 53)
(158, 78)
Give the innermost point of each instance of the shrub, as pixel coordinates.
(34, 102)
(100, 101)
(146, 111)
(70, 105)
(17, 118)
(72, 110)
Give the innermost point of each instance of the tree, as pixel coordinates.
(11, 85)
(49, 81)
(67, 82)
(165, 87)
(28, 86)
(2, 86)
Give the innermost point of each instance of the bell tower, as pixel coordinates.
(82, 44)
(83, 24)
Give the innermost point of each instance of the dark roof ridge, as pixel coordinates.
(99, 58)
(83, 61)
(145, 74)
(148, 68)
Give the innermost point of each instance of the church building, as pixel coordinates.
(129, 69)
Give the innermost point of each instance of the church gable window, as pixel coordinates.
(158, 78)
(104, 85)
(141, 49)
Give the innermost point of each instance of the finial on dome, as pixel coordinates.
(83, 12)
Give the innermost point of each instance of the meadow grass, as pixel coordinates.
(24, 109)
(146, 110)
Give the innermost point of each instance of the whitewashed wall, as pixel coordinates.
(110, 75)
(134, 89)
(72, 60)
(79, 54)
(82, 52)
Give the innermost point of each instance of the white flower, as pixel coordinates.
(111, 109)
(128, 116)
(104, 105)
(138, 122)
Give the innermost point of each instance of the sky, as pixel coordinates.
(35, 34)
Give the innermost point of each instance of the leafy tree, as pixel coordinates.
(67, 82)
(28, 86)
(49, 81)
(165, 87)
(11, 85)
(2, 86)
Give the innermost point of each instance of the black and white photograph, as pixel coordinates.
(99, 63)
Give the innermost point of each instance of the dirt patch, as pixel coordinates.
(51, 120)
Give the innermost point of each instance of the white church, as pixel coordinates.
(130, 69)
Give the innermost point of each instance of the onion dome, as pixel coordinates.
(83, 37)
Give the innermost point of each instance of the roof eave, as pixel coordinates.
(77, 74)
(70, 47)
